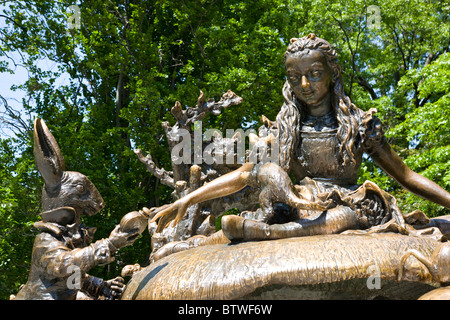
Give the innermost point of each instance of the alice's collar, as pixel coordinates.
(326, 121)
(73, 235)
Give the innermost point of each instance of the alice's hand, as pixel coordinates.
(174, 211)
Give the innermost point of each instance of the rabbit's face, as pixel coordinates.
(75, 190)
(62, 188)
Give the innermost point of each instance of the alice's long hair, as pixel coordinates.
(290, 116)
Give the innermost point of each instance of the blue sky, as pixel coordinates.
(14, 98)
(20, 76)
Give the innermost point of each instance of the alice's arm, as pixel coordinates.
(220, 187)
(390, 162)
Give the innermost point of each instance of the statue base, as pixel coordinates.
(316, 267)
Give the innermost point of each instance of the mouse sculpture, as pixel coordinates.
(439, 267)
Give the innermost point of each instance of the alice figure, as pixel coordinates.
(322, 137)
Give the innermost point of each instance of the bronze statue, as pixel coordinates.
(329, 237)
(326, 232)
(62, 251)
(331, 266)
(438, 265)
(323, 136)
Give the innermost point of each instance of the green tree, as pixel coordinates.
(19, 203)
(426, 127)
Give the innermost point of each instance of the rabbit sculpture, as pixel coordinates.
(62, 251)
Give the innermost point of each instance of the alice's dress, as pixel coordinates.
(318, 169)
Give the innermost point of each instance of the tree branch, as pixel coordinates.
(12, 119)
(355, 70)
(164, 176)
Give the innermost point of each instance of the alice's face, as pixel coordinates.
(309, 77)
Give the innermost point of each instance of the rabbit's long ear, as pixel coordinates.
(47, 155)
